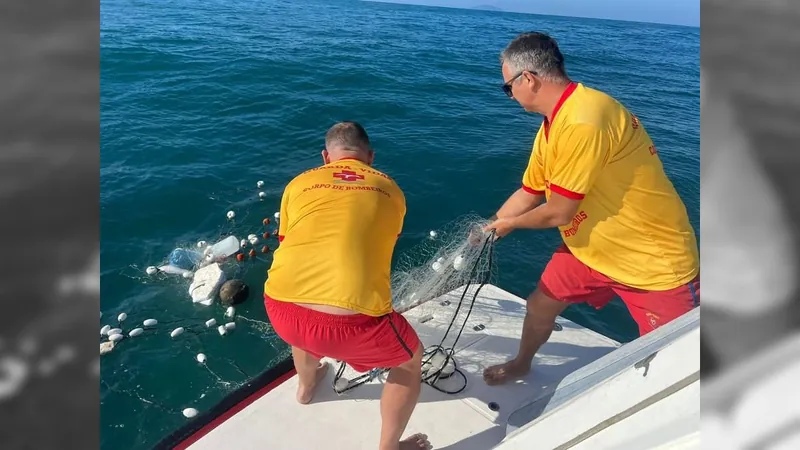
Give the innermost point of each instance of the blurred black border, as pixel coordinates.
(49, 198)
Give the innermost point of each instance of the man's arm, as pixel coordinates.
(520, 202)
(586, 150)
(559, 211)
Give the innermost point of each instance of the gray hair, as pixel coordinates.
(348, 136)
(535, 52)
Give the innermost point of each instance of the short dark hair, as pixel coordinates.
(536, 52)
(349, 136)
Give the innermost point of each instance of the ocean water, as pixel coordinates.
(202, 99)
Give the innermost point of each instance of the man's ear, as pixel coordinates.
(371, 156)
(325, 157)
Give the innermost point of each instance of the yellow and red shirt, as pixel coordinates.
(338, 228)
(631, 224)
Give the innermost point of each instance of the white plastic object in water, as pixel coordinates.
(151, 270)
(231, 215)
(433, 234)
(115, 337)
(201, 358)
(188, 274)
(222, 330)
(173, 270)
(437, 267)
(104, 330)
(202, 244)
(176, 332)
(121, 317)
(135, 332)
(253, 239)
(458, 263)
(190, 412)
(206, 284)
(150, 322)
(106, 347)
(243, 244)
(262, 195)
(230, 312)
(211, 322)
(114, 331)
(230, 326)
(277, 215)
(225, 247)
(260, 184)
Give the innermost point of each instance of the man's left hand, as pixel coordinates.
(501, 226)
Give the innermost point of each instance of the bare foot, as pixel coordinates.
(305, 393)
(501, 373)
(418, 441)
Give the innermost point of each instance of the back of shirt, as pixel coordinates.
(338, 228)
(631, 225)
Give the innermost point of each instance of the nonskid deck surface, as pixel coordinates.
(461, 421)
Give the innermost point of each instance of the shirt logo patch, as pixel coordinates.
(348, 176)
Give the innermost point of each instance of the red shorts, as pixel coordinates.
(362, 341)
(568, 280)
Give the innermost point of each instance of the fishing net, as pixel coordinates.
(457, 260)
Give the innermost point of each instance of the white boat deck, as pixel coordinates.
(461, 421)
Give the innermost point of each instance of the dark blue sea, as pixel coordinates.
(200, 100)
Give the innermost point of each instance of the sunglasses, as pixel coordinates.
(507, 85)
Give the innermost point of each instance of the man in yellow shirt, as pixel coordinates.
(328, 293)
(594, 174)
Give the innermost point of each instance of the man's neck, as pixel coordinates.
(551, 94)
(347, 158)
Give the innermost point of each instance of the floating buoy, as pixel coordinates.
(266, 221)
(121, 317)
(231, 215)
(262, 195)
(253, 239)
(458, 263)
(230, 326)
(211, 322)
(240, 257)
(104, 330)
(265, 235)
(437, 267)
(201, 358)
(115, 337)
(176, 332)
(202, 244)
(135, 332)
(440, 260)
(277, 216)
(190, 412)
(252, 253)
(222, 330)
(265, 249)
(151, 270)
(230, 312)
(260, 184)
(243, 244)
(114, 331)
(150, 322)
(433, 234)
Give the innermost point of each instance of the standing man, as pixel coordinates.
(328, 292)
(594, 174)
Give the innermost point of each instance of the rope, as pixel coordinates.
(432, 377)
